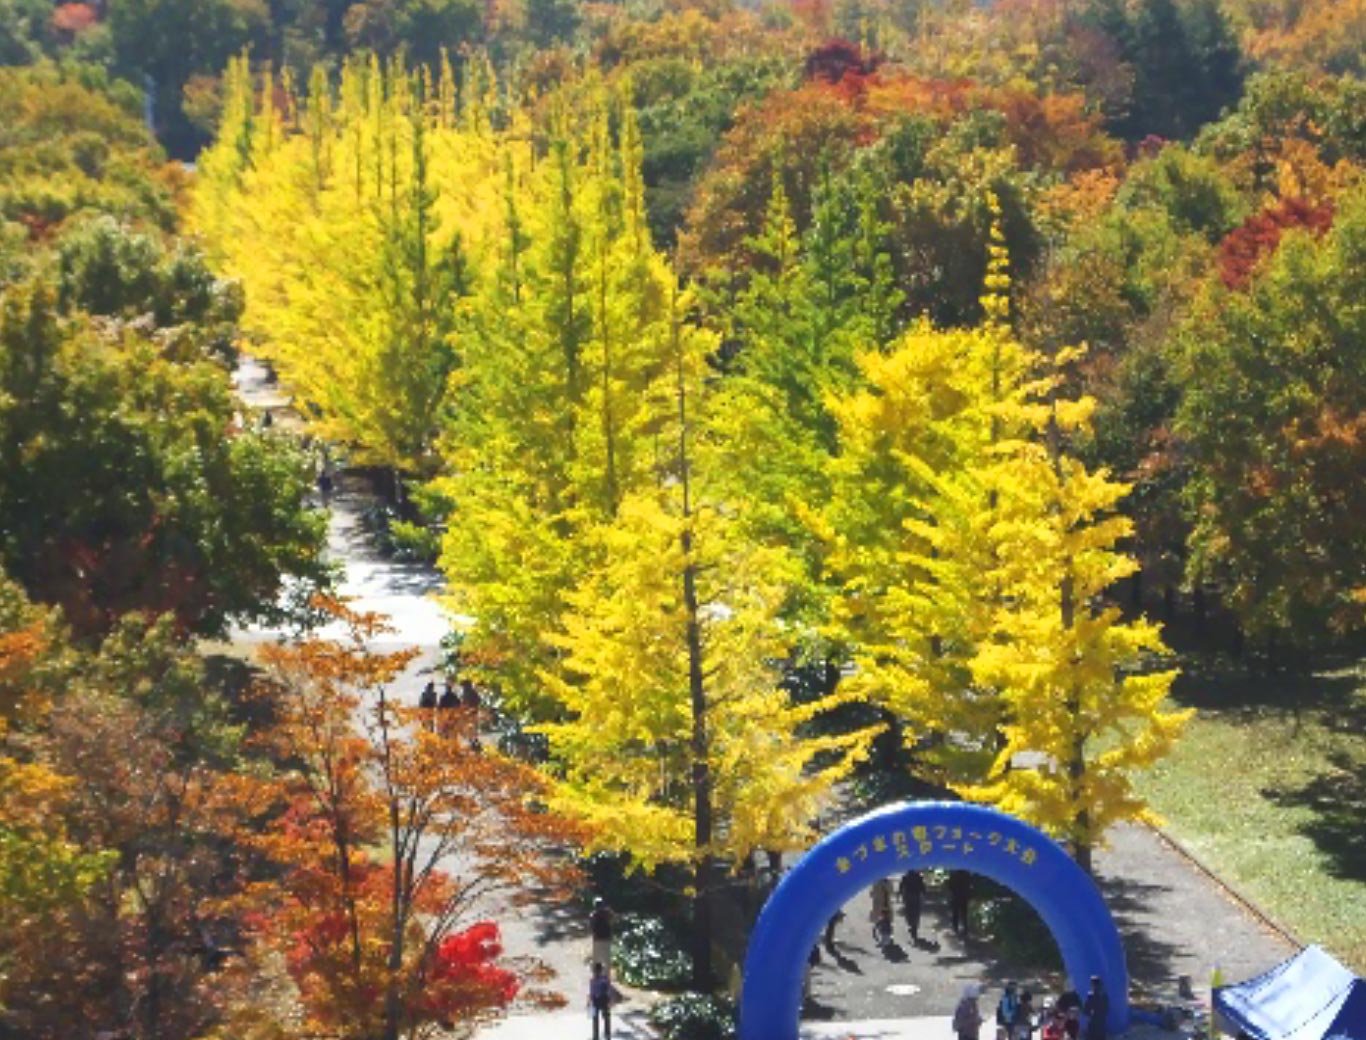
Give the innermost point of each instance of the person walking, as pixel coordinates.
(469, 696)
(967, 1016)
(448, 702)
(960, 897)
(1096, 1009)
(912, 891)
(449, 698)
(1005, 1011)
(600, 1001)
(600, 923)
(881, 912)
(775, 866)
(427, 699)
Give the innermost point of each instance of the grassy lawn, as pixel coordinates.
(1268, 788)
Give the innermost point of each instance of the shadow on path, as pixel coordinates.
(1131, 902)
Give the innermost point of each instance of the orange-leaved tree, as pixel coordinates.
(395, 837)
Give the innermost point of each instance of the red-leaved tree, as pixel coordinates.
(393, 838)
(1257, 237)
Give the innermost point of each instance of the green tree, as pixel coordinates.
(419, 28)
(153, 501)
(551, 21)
(1272, 399)
(74, 141)
(1184, 59)
(162, 43)
(106, 268)
(25, 31)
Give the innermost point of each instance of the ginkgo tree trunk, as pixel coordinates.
(679, 744)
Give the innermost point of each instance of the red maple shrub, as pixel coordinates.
(73, 19)
(464, 976)
(1259, 235)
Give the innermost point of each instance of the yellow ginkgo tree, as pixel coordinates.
(354, 215)
(679, 744)
(973, 555)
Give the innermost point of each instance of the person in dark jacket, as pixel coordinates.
(967, 1017)
(469, 696)
(427, 702)
(600, 1000)
(449, 698)
(1022, 1027)
(443, 722)
(1096, 1009)
(911, 889)
(600, 923)
(960, 896)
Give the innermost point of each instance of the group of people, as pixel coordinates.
(436, 707)
(911, 891)
(1066, 1018)
(468, 697)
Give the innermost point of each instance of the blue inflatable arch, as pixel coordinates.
(920, 836)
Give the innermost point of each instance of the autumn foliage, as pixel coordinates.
(73, 18)
(777, 387)
(1258, 236)
(382, 942)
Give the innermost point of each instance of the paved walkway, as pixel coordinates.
(1174, 919)
(627, 1024)
(575, 1025)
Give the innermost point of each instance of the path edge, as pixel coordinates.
(1244, 901)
